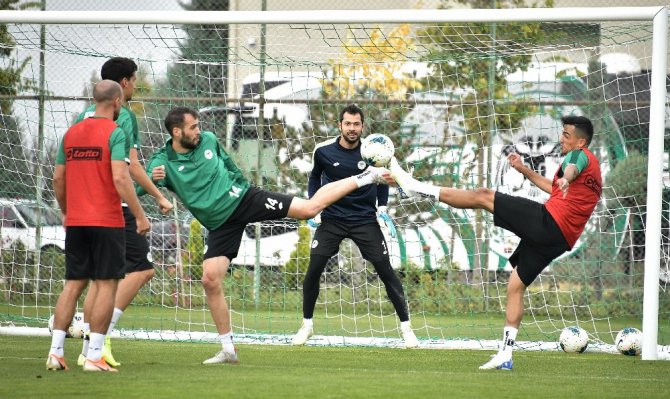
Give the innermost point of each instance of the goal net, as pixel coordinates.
(455, 97)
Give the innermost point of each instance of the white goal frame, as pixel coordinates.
(658, 15)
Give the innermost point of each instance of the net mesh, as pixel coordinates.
(456, 99)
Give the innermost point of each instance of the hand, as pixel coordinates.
(165, 205)
(385, 221)
(143, 226)
(158, 173)
(315, 221)
(515, 160)
(564, 185)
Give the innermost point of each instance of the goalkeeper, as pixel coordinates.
(195, 167)
(354, 216)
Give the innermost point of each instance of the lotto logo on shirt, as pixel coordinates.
(84, 154)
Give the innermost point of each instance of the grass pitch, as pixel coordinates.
(173, 370)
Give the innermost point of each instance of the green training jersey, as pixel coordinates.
(206, 179)
(126, 121)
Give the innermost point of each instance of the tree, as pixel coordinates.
(16, 177)
(206, 54)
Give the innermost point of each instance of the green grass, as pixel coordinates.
(173, 370)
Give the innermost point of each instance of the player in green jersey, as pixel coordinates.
(195, 166)
(138, 268)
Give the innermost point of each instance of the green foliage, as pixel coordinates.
(456, 66)
(195, 251)
(299, 262)
(626, 184)
(207, 44)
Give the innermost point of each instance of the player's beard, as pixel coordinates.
(346, 138)
(189, 144)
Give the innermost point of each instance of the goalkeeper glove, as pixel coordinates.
(385, 221)
(315, 221)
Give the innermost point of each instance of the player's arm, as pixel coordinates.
(314, 181)
(572, 166)
(142, 179)
(124, 186)
(156, 172)
(383, 218)
(59, 179)
(537, 179)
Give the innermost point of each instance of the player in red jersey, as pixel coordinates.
(90, 180)
(546, 230)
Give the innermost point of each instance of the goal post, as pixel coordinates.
(454, 127)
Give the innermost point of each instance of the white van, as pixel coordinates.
(18, 223)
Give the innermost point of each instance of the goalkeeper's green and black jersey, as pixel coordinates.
(126, 121)
(206, 179)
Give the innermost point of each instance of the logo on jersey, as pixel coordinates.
(336, 164)
(361, 165)
(209, 154)
(273, 204)
(84, 154)
(315, 243)
(180, 168)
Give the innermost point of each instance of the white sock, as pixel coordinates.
(308, 323)
(87, 338)
(115, 318)
(57, 343)
(365, 178)
(509, 339)
(405, 326)
(429, 190)
(95, 347)
(227, 342)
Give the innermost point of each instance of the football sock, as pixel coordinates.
(115, 318)
(509, 339)
(87, 338)
(95, 347)
(227, 342)
(57, 343)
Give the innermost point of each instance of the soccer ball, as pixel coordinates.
(573, 340)
(629, 341)
(76, 328)
(377, 149)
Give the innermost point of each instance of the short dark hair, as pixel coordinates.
(175, 117)
(582, 125)
(118, 68)
(352, 109)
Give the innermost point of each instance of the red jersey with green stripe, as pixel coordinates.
(87, 151)
(572, 212)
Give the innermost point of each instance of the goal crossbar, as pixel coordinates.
(334, 16)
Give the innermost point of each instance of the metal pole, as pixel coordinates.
(489, 141)
(259, 153)
(652, 242)
(40, 155)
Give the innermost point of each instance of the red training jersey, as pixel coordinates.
(572, 212)
(92, 199)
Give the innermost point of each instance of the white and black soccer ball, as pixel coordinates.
(76, 328)
(629, 341)
(377, 149)
(573, 340)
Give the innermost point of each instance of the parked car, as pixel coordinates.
(278, 239)
(19, 220)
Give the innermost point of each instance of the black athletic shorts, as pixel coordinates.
(138, 257)
(541, 239)
(256, 205)
(368, 237)
(95, 253)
